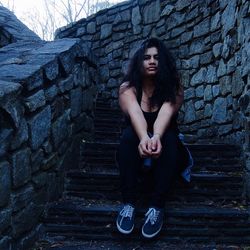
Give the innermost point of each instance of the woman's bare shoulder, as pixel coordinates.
(124, 87)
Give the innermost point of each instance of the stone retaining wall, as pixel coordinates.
(13, 30)
(47, 91)
(210, 40)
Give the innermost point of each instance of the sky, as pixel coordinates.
(23, 7)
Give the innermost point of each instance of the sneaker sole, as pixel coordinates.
(149, 236)
(122, 230)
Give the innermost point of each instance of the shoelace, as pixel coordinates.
(127, 211)
(152, 215)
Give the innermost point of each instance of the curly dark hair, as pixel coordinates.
(167, 80)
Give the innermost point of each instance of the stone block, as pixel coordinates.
(199, 77)
(35, 101)
(5, 243)
(206, 58)
(208, 111)
(50, 93)
(225, 85)
(67, 61)
(222, 69)
(151, 12)
(217, 48)
(26, 219)
(216, 90)
(220, 110)
(202, 28)
(189, 94)
(76, 101)
(22, 198)
(106, 31)
(182, 4)
(91, 27)
(199, 91)
(39, 180)
(20, 136)
(5, 183)
(136, 16)
(39, 127)
(208, 93)
(228, 17)
(215, 21)
(199, 105)
(197, 46)
(186, 37)
(60, 128)
(211, 76)
(168, 9)
(36, 160)
(237, 83)
(190, 114)
(5, 140)
(21, 169)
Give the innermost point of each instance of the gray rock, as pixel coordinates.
(217, 49)
(22, 198)
(219, 110)
(136, 16)
(39, 180)
(29, 75)
(237, 83)
(226, 47)
(35, 101)
(151, 12)
(197, 47)
(106, 31)
(182, 4)
(208, 111)
(186, 37)
(215, 22)
(228, 17)
(5, 183)
(91, 28)
(190, 115)
(50, 93)
(21, 169)
(20, 136)
(199, 105)
(231, 65)
(60, 129)
(222, 69)
(216, 90)
(101, 19)
(189, 93)
(66, 84)
(88, 100)
(208, 93)
(167, 10)
(5, 220)
(203, 28)
(211, 76)
(225, 129)
(5, 139)
(9, 90)
(75, 101)
(175, 19)
(26, 219)
(194, 13)
(199, 92)
(36, 160)
(199, 77)
(206, 58)
(177, 31)
(225, 85)
(81, 31)
(39, 127)
(52, 160)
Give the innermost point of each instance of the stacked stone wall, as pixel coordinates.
(47, 91)
(210, 40)
(13, 30)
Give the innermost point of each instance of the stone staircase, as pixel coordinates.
(209, 211)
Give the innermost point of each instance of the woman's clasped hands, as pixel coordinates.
(150, 147)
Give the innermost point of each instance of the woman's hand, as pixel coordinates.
(156, 146)
(145, 146)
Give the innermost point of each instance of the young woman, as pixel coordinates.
(150, 97)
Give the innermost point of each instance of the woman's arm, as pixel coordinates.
(130, 106)
(163, 120)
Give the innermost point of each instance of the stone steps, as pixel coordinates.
(75, 221)
(210, 210)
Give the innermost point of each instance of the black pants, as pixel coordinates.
(165, 170)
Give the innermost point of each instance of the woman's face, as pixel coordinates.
(150, 61)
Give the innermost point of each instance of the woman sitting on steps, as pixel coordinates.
(150, 97)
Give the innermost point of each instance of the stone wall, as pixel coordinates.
(13, 30)
(210, 40)
(47, 90)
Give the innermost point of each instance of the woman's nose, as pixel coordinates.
(152, 60)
